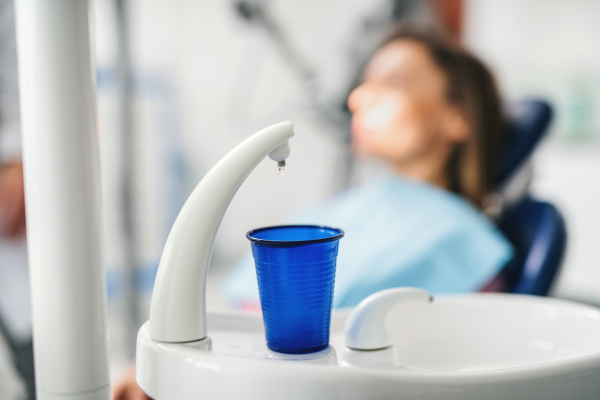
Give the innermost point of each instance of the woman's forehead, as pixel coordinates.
(402, 56)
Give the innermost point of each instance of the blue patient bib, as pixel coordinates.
(398, 233)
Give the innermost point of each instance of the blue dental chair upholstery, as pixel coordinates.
(535, 228)
(528, 122)
(537, 232)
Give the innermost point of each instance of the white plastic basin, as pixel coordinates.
(493, 332)
(484, 346)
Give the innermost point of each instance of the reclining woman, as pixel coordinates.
(432, 112)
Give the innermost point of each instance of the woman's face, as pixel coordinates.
(400, 112)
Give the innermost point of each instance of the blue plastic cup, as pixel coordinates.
(295, 267)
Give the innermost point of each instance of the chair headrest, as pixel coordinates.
(528, 122)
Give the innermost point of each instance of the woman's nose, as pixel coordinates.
(361, 97)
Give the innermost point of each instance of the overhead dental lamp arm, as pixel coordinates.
(178, 309)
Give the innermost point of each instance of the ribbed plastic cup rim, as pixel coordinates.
(293, 243)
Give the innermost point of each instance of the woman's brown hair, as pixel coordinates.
(470, 87)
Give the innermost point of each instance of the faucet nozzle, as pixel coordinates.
(280, 153)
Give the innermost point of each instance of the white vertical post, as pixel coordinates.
(62, 183)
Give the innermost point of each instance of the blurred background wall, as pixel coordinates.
(181, 83)
(549, 49)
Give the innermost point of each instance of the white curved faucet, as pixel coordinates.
(178, 309)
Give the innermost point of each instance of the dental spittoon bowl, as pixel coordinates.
(295, 268)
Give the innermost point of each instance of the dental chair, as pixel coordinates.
(535, 228)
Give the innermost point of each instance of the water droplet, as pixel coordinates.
(281, 167)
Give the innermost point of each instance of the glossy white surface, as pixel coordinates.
(366, 325)
(495, 332)
(178, 310)
(463, 347)
(62, 178)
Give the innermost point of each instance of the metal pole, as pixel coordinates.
(62, 183)
(133, 322)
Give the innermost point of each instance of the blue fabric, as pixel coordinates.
(398, 233)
